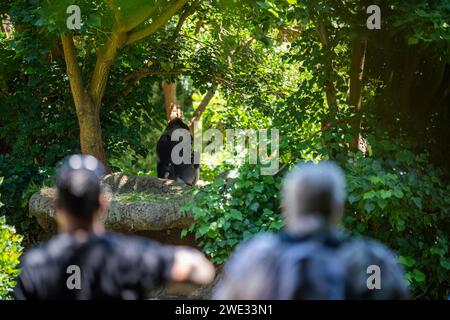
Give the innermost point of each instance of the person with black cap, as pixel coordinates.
(84, 262)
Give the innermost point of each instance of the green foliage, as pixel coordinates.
(10, 251)
(231, 210)
(403, 201)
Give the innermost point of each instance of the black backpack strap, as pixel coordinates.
(308, 267)
(291, 268)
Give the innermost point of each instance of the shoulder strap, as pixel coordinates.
(301, 263)
(289, 271)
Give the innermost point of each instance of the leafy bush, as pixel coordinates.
(10, 251)
(231, 210)
(404, 202)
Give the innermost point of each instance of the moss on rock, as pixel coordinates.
(138, 204)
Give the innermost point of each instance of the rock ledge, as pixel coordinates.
(138, 204)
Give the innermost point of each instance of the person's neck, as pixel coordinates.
(307, 224)
(83, 232)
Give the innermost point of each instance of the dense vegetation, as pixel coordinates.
(10, 251)
(375, 101)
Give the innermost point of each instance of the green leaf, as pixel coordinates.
(235, 214)
(413, 40)
(369, 195)
(259, 188)
(437, 251)
(376, 180)
(277, 225)
(406, 261)
(445, 263)
(417, 202)
(385, 194)
(39, 22)
(400, 225)
(398, 193)
(418, 275)
(352, 198)
(368, 207)
(405, 156)
(382, 203)
(262, 4)
(255, 206)
(203, 229)
(198, 212)
(421, 13)
(272, 11)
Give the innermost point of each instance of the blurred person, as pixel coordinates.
(361, 253)
(311, 258)
(108, 265)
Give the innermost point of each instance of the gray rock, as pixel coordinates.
(138, 204)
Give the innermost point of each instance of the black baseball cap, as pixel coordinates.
(78, 184)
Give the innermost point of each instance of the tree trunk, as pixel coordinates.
(91, 135)
(88, 114)
(329, 85)
(171, 104)
(356, 84)
(6, 26)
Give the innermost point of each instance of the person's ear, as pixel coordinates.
(103, 202)
(61, 218)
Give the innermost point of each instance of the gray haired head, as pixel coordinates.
(314, 191)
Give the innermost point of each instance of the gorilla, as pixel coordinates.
(166, 169)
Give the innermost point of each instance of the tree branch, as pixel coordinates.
(4, 89)
(356, 84)
(183, 18)
(6, 25)
(202, 106)
(137, 75)
(156, 23)
(198, 25)
(105, 59)
(330, 90)
(226, 82)
(74, 72)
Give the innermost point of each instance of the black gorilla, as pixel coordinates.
(188, 173)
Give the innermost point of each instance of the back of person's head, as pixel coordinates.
(373, 272)
(314, 190)
(78, 185)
